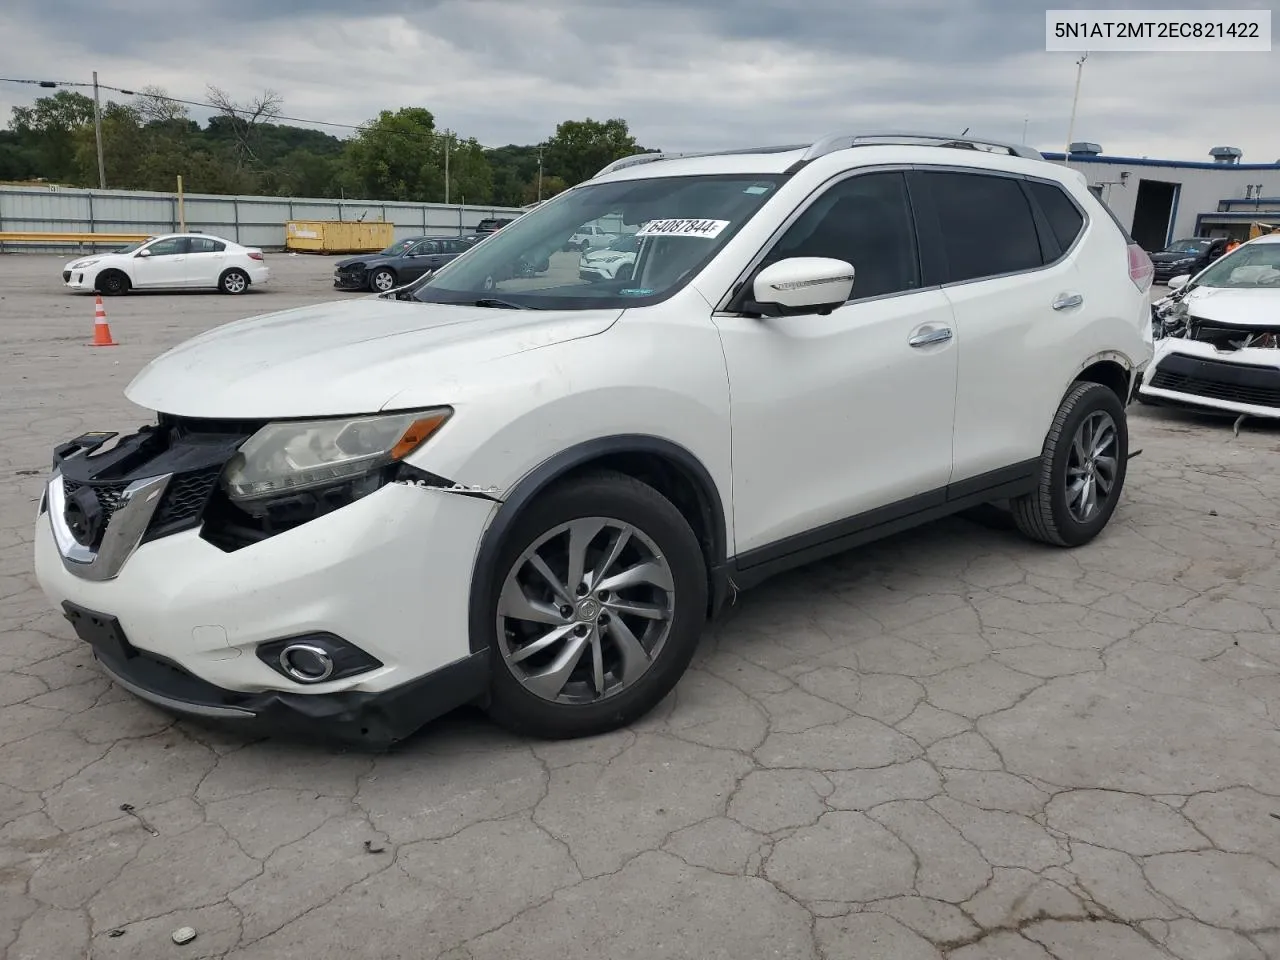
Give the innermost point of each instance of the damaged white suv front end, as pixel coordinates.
(1219, 346)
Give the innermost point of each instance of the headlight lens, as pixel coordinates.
(81, 264)
(282, 458)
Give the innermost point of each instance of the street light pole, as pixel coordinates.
(539, 174)
(1075, 99)
(97, 133)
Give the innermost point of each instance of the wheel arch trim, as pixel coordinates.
(541, 477)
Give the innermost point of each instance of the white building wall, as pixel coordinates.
(1201, 187)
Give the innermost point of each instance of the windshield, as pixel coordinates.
(131, 248)
(396, 248)
(1190, 247)
(677, 224)
(1253, 265)
(627, 243)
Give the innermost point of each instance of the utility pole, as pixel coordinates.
(447, 138)
(1025, 121)
(1075, 99)
(539, 173)
(97, 133)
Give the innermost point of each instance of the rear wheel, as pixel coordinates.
(382, 280)
(111, 283)
(599, 610)
(233, 282)
(1082, 470)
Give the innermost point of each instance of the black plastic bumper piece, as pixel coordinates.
(376, 720)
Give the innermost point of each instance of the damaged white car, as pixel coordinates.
(1218, 336)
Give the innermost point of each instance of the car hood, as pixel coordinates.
(369, 260)
(1166, 257)
(96, 258)
(1254, 307)
(344, 357)
(607, 256)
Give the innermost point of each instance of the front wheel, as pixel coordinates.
(1082, 470)
(601, 603)
(112, 283)
(234, 282)
(380, 281)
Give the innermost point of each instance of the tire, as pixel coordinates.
(111, 283)
(382, 280)
(624, 273)
(234, 282)
(1053, 514)
(640, 657)
(584, 246)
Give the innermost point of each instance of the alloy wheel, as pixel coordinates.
(585, 611)
(1091, 465)
(234, 283)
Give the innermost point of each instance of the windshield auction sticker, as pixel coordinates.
(710, 229)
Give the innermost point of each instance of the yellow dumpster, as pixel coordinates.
(338, 236)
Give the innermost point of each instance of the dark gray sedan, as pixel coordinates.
(401, 263)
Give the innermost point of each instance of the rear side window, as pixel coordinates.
(985, 223)
(1065, 219)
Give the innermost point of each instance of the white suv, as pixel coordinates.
(530, 492)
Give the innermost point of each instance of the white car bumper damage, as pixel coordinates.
(1244, 382)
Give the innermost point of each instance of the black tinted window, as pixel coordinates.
(986, 223)
(204, 245)
(866, 221)
(1065, 219)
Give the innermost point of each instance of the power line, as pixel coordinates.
(359, 128)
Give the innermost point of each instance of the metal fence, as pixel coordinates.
(253, 221)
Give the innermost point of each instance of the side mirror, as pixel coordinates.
(143, 253)
(1177, 283)
(801, 285)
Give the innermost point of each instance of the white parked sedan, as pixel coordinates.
(170, 262)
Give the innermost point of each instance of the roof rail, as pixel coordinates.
(842, 141)
(638, 158)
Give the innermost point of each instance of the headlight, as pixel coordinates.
(81, 264)
(282, 458)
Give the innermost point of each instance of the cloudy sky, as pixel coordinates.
(686, 74)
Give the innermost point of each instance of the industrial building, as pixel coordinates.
(1160, 201)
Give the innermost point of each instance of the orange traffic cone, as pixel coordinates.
(101, 331)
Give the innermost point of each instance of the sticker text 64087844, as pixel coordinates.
(709, 229)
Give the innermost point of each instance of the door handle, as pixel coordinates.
(1065, 300)
(927, 338)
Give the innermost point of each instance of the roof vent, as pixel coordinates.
(1226, 154)
(1084, 148)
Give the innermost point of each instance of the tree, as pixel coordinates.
(244, 119)
(581, 147)
(398, 156)
(470, 176)
(47, 128)
(154, 105)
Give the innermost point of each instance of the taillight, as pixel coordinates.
(1141, 269)
(257, 255)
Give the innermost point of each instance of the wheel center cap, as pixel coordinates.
(588, 610)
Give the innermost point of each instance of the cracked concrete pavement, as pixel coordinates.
(954, 744)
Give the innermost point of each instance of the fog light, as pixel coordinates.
(315, 658)
(306, 662)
